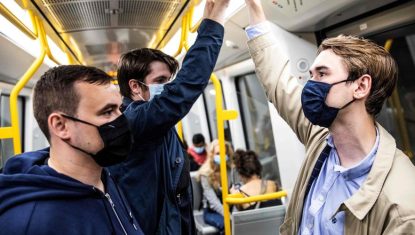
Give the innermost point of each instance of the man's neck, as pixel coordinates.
(75, 164)
(353, 137)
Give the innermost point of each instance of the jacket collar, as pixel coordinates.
(363, 200)
(126, 101)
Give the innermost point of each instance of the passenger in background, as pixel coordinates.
(354, 180)
(198, 150)
(192, 164)
(249, 169)
(210, 179)
(64, 189)
(156, 174)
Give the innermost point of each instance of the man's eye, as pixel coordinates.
(108, 112)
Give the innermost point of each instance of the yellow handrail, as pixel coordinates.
(194, 28)
(238, 198)
(180, 130)
(183, 44)
(14, 131)
(221, 116)
(396, 103)
(16, 22)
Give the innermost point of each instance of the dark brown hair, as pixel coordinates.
(362, 56)
(135, 64)
(55, 91)
(247, 163)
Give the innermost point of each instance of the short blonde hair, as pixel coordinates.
(362, 56)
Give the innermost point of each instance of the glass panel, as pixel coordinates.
(6, 145)
(403, 50)
(257, 123)
(209, 98)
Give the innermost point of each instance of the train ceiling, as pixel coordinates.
(103, 29)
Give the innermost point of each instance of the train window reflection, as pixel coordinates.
(257, 123)
(402, 125)
(6, 145)
(209, 96)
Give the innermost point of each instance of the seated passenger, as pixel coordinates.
(249, 169)
(64, 189)
(210, 179)
(198, 150)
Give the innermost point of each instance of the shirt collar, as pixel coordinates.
(361, 168)
(363, 199)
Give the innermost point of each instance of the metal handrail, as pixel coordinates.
(14, 130)
(193, 28)
(18, 23)
(221, 116)
(183, 44)
(238, 198)
(396, 103)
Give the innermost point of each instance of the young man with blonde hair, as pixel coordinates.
(354, 180)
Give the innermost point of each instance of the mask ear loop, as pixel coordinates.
(351, 78)
(139, 93)
(81, 121)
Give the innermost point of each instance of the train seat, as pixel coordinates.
(201, 226)
(263, 221)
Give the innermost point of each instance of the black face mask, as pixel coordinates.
(117, 139)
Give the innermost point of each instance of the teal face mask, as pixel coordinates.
(216, 159)
(154, 89)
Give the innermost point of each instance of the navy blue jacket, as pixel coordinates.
(35, 199)
(152, 172)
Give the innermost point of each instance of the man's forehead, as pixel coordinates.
(326, 60)
(97, 95)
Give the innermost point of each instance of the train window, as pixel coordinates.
(401, 125)
(209, 99)
(6, 145)
(257, 123)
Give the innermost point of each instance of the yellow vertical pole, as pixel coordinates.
(183, 44)
(14, 114)
(221, 116)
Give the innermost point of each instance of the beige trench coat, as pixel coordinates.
(384, 204)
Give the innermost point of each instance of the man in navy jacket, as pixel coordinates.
(155, 176)
(64, 189)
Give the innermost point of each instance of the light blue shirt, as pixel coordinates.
(333, 186)
(257, 30)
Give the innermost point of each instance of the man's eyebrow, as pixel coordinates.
(108, 106)
(323, 67)
(319, 68)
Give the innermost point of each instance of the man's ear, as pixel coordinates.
(135, 87)
(364, 85)
(58, 126)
